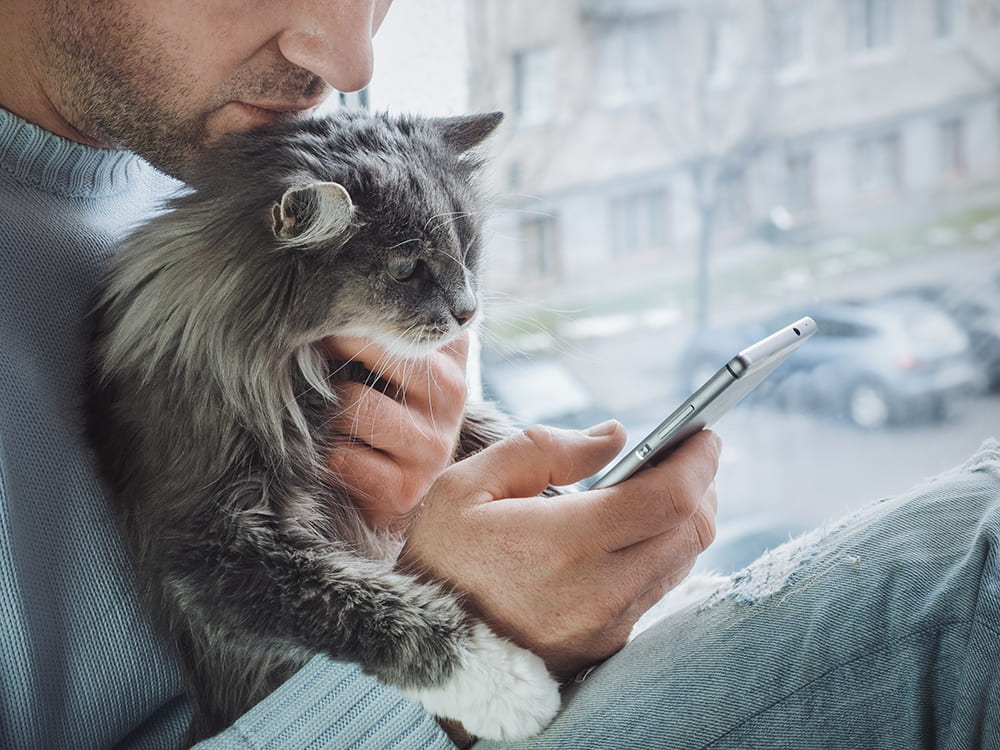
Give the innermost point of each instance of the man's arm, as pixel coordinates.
(566, 577)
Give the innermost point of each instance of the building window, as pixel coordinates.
(638, 222)
(539, 257)
(877, 165)
(791, 39)
(630, 64)
(724, 50)
(534, 85)
(799, 182)
(733, 207)
(952, 147)
(945, 18)
(870, 24)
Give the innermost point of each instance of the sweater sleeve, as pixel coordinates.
(328, 704)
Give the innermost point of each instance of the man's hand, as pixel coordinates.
(404, 437)
(567, 576)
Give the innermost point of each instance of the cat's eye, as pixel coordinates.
(403, 269)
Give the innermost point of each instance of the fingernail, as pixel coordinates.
(603, 429)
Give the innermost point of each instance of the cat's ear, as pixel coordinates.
(467, 131)
(316, 211)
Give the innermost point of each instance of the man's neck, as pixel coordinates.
(22, 91)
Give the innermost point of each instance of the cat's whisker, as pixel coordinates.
(448, 216)
(431, 385)
(404, 242)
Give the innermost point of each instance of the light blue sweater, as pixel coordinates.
(82, 667)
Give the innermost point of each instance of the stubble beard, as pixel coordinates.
(109, 79)
(115, 82)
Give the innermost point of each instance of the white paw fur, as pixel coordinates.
(500, 691)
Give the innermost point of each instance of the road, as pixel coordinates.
(784, 473)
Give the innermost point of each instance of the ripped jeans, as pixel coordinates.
(882, 631)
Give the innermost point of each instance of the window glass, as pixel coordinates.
(724, 48)
(945, 18)
(533, 85)
(642, 245)
(877, 165)
(870, 24)
(539, 249)
(952, 145)
(630, 63)
(799, 188)
(639, 222)
(791, 37)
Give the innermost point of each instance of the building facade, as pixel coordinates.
(642, 134)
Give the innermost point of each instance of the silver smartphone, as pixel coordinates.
(718, 395)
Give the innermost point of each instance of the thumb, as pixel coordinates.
(524, 464)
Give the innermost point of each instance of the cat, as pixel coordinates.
(210, 401)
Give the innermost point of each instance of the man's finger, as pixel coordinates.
(659, 499)
(398, 492)
(440, 374)
(385, 424)
(524, 464)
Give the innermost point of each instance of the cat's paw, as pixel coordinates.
(499, 691)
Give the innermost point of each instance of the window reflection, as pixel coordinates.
(675, 178)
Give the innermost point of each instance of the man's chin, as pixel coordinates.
(241, 117)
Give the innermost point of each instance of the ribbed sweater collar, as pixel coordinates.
(32, 155)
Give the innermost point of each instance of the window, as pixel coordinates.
(724, 50)
(733, 199)
(870, 24)
(638, 222)
(790, 38)
(952, 147)
(630, 60)
(857, 164)
(539, 257)
(534, 86)
(877, 163)
(945, 18)
(799, 182)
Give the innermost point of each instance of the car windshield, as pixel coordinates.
(674, 179)
(932, 332)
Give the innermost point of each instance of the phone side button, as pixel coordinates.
(644, 450)
(673, 423)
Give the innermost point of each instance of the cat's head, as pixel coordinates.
(372, 227)
(409, 290)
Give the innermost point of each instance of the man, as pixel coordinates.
(880, 632)
(83, 84)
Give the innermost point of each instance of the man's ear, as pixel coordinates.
(307, 213)
(467, 131)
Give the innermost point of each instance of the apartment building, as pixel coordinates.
(641, 134)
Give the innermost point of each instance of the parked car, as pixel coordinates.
(976, 309)
(874, 364)
(540, 389)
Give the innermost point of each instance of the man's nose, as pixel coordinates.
(333, 40)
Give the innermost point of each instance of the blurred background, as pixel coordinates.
(676, 178)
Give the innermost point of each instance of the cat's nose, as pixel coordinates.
(464, 316)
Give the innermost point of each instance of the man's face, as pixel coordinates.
(165, 78)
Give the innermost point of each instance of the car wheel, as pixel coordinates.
(868, 406)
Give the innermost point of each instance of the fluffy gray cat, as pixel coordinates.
(211, 401)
